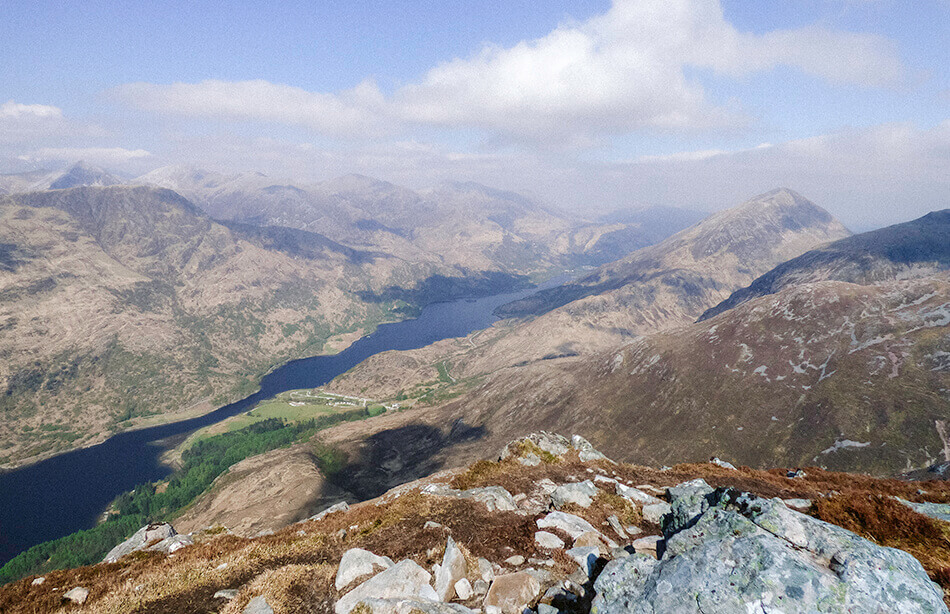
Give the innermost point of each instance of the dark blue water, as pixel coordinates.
(68, 492)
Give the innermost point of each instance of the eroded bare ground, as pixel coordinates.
(294, 568)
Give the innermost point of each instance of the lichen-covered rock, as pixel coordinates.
(551, 443)
(495, 498)
(585, 451)
(745, 554)
(357, 563)
(404, 580)
(687, 501)
(77, 595)
(577, 493)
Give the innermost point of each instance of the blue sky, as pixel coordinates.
(590, 105)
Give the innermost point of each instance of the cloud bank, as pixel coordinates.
(624, 71)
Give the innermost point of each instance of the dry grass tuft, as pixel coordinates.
(291, 589)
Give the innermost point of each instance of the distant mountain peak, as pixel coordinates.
(83, 174)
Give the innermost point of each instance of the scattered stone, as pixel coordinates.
(342, 506)
(341, 534)
(38, 581)
(226, 593)
(593, 539)
(798, 473)
(542, 562)
(742, 553)
(357, 563)
(547, 486)
(495, 498)
(431, 525)
(586, 558)
(574, 526)
(635, 494)
(614, 523)
(258, 605)
(480, 587)
(155, 532)
(715, 460)
(655, 512)
(585, 450)
(485, 570)
(463, 589)
(603, 479)
(530, 459)
(404, 579)
(451, 571)
(515, 561)
(511, 593)
(648, 545)
(798, 504)
(77, 595)
(544, 608)
(221, 566)
(548, 541)
(578, 493)
(633, 530)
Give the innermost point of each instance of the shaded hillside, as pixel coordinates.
(118, 303)
(909, 249)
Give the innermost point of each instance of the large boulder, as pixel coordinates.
(150, 534)
(730, 552)
(357, 563)
(413, 606)
(511, 593)
(405, 580)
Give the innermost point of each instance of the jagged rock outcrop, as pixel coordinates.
(154, 534)
(728, 551)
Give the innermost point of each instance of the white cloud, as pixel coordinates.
(104, 156)
(619, 72)
(16, 110)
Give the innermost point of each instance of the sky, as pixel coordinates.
(587, 105)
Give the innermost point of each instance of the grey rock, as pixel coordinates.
(172, 544)
(578, 493)
(405, 579)
(937, 511)
(530, 460)
(715, 460)
(544, 608)
(585, 557)
(463, 589)
(450, 571)
(480, 587)
(548, 541)
(38, 581)
(687, 501)
(78, 595)
(648, 545)
(655, 512)
(575, 526)
(635, 494)
(485, 570)
(552, 443)
(745, 554)
(226, 593)
(798, 504)
(140, 540)
(258, 605)
(585, 450)
(515, 561)
(357, 563)
(342, 506)
(412, 606)
(431, 525)
(614, 523)
(495, 498)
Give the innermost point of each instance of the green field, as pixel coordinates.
(290, 406)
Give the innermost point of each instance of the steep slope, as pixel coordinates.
(910, 249)
(118, 302)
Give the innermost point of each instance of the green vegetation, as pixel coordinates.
(204, 461)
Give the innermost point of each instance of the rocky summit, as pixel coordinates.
(551, 526)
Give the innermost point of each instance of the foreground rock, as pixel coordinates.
(403, 580)
(728, 552)
(141, 539)
(511, 593)
(357, 563)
